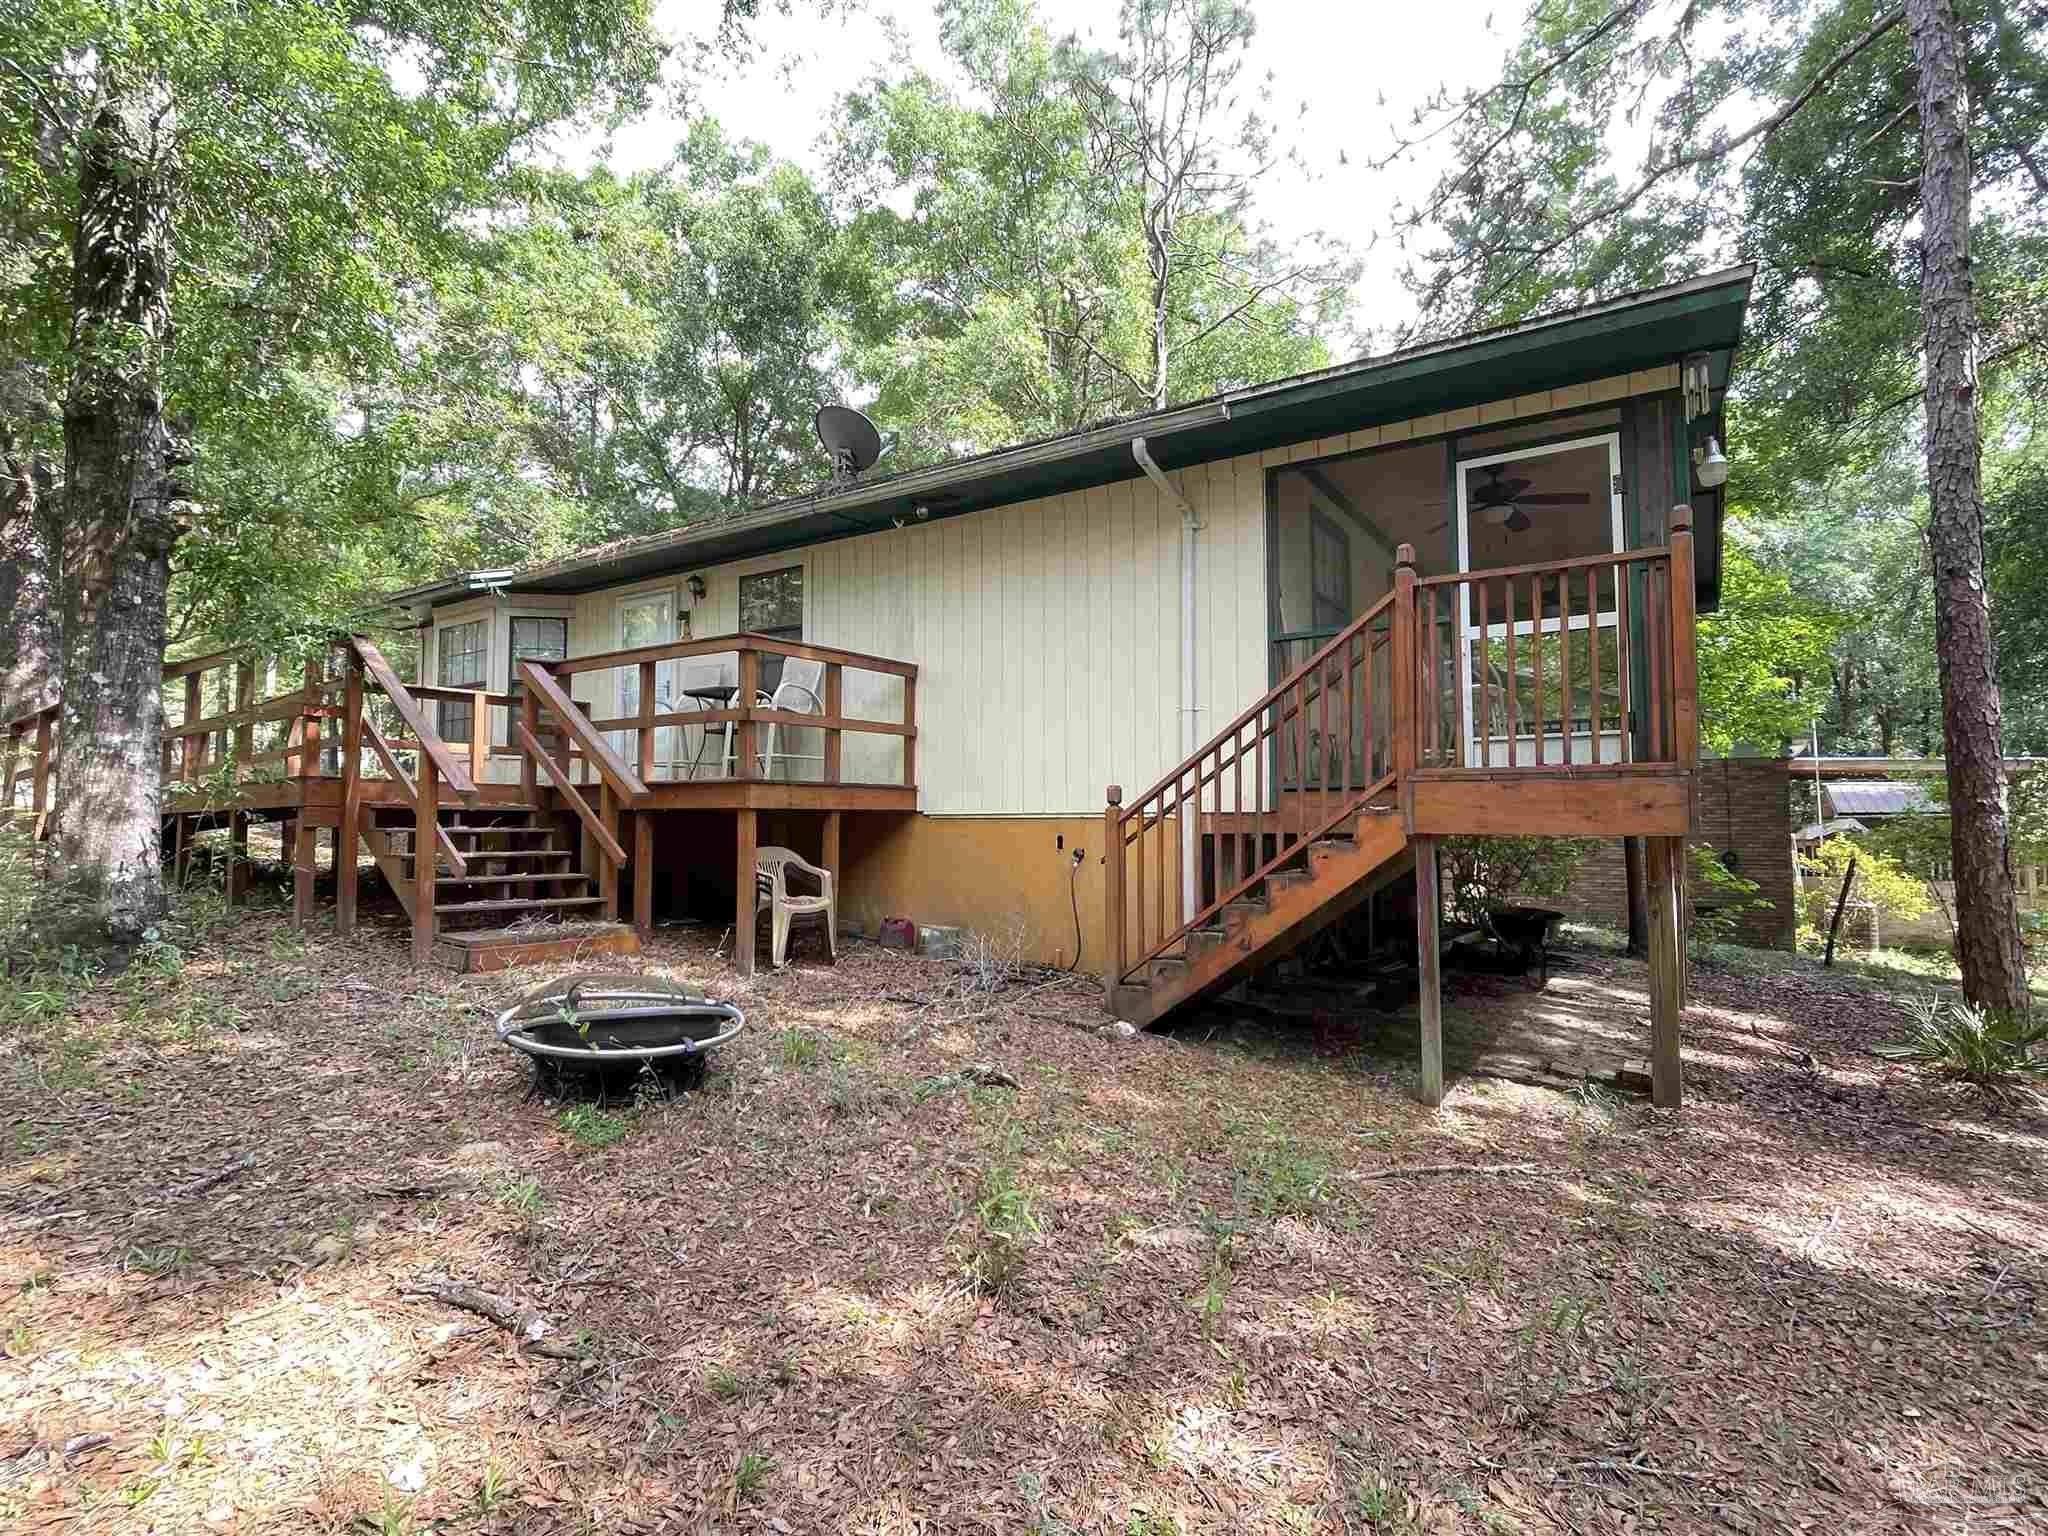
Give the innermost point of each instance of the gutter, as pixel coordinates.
(1190, 695)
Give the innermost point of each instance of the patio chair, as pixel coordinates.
(772, 895)
(698, 676)
(798, 692)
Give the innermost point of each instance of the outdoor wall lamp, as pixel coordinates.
(696, 586)
(1710, 465)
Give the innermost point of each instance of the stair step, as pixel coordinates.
(1288, 879)
(1166, 967)
(1243, 910)
(566, 874)
(1202, 940)
(509, 831)
(507, 854)
(522, 904)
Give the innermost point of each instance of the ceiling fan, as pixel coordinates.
(1505, 501)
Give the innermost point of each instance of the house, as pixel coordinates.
(1162, 696)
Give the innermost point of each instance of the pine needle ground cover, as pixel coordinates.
(284, 1247)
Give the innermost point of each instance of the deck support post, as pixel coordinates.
(1667, 971)
(1430, 990)
(181, 848)
(643, 872)
(607, 871)
(746, 845)
(301, 849)
(426, 860)
(1112, 894)
(349, 829)
(237, 882)
(828, 846)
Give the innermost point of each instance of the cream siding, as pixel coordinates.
(1047, 632)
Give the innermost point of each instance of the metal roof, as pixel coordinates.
(1636, 331)
(1880, 797)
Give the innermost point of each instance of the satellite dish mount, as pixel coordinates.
(851, 439)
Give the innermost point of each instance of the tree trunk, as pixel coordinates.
(1987, 922)
(1638, 896)
(29, 657)
(123, 515)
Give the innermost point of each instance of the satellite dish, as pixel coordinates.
(850, 438)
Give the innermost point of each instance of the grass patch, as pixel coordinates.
(592, 1128)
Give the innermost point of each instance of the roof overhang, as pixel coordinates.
(1622, 335)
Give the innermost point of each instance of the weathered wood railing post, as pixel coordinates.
(743, 701)
(309, 759)
(910, 741)
(834, 694)
(643, 818)
(238, 820)
(1113, 894)
(348, 830)
(479, 736)
(426, 858)
(529, 716)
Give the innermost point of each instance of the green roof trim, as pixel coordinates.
(1622, 335)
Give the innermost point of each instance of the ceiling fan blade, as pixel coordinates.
(1439, 528)
(1518, 521)
(1556, 499)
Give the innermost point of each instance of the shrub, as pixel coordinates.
(1727, 894)
(1481, 873)
(1953, 1039)
(1898, 894)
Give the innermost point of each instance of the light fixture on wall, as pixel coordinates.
(1710, 465)
(696, 586)
(921, 511)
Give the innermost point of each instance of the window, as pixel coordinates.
(538, 640)
(772, 603)
(461, 650)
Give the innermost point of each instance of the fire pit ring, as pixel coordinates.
(606, 1029)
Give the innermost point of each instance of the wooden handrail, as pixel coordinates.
(1547, 567)
(387, 753)
(1349, 633)
(592, 822)
(454, 775)
(620, 779)
(746, 640)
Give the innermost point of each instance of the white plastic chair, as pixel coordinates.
(797, 692)
(772, 895)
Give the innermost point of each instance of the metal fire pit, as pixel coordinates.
(601, 1032)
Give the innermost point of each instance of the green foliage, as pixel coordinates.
(1950, 1038)
(1896, 892)
(1721, 898)
(592, 1127)
(1481, 873)
(1756, 651)
(1011, 293)
(1005, 1225)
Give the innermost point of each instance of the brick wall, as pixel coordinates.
(1743, 804)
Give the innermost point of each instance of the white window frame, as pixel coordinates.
(1468, 632)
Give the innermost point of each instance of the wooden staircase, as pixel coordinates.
(514, 868)
(1321, 882)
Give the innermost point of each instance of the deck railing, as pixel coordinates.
(1492, 673)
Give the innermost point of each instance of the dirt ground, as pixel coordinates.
(1247, 1284)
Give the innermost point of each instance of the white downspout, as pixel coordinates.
(1190, 707)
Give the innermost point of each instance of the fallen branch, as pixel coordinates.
(525, 1324)
(219, 1176)
(1430, 1170)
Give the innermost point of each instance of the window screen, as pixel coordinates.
(462, 666)
(772, 603)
